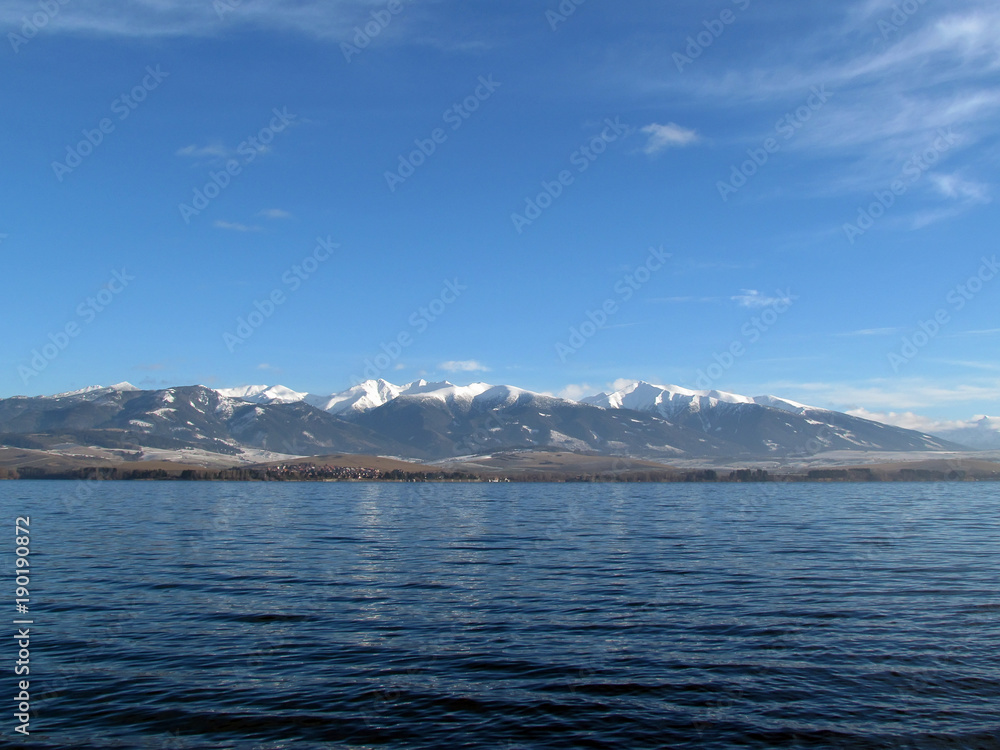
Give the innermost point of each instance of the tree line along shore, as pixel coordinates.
(313, 473)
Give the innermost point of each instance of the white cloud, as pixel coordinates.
(953, 186)
(967, 364)
(212, 151)
(577, 391)
(911, 421)
(469, 365)
(753, 298)
(871, 332)
(274, 213)
(172, 18)
(574, 392)
(667, 136)
(962, 194)
(620, 383)
(890, 395)
(890, 96)
(922, 219)
(234, 226)
(682, 300)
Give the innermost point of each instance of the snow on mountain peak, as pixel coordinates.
(446, 391)
(367, 395)
(263, 394)
(784, 404)
(670, 400)
(643, 396)
(121, 387)
(79, 392)
(666, 400)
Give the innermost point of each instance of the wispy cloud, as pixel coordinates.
(211, 151)
(911, 421)
(890, 395)
(871, 332)
(682, 300)
(671, 135)
(968, 364)
(274, 214)
(233, 226)
(753, 298)
(195, 18)
(469, 365)
(891, 93)
(962, 195)
(576, 391)
(953, 186)
(984, 332)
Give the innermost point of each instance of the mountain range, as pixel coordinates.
(434, 421)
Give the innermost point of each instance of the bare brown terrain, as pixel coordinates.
(538, 465)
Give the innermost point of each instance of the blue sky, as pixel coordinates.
(775, 197)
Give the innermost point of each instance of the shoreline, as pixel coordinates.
(865, 475)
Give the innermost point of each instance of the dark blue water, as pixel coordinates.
(197, 615)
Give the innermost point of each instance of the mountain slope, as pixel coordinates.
(189, 416)
(459, 421)
(430, 421)
(767, 425)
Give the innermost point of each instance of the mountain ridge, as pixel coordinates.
(440, 420)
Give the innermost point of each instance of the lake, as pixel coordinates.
(349, 615)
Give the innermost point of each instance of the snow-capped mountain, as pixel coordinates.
(670, 401)
(429, 421)
(263, 394)
(94, 391)
(762, 425)
(375, 393)
(765, 424)
(372, 394)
